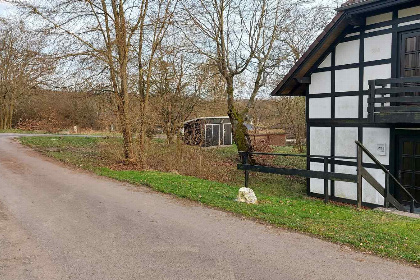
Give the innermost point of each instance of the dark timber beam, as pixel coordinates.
(304, 80)
(355, 20)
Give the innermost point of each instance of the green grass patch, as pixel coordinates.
(281, 200)
(22, 131)
(60, 142)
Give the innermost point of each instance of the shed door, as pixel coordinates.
(212, 135)
(227, 134)
(216, 135)
(209, 134)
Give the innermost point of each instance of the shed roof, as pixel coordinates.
(207, 118)
(290, 84)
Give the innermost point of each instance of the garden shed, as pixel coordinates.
(208, 131)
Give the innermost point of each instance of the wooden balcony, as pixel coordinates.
(394, 100)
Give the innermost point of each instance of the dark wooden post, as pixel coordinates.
(412, 206)
(326, 198)
(386, 203)
(383, 95)
(246, 162)
(359, 176)
(371, 101)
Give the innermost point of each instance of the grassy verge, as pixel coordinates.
(22, 131)
(381, 233)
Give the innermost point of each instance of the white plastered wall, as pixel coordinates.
(378, 47)
(326, 63)
(349, 190)
(317, 185)
(320, 141)
(369, 193)
(320, 108)
(347, 107)
(345, 146)
(347, 80)
(346, 189)
(320, 83)
(347, 53)
(345, 138)
(374, 136)
(382, 71)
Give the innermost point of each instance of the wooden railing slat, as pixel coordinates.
(372, 181)
(393, 109)
(402, 99)
(397, 90)
(382, 82)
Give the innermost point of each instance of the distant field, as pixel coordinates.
(209, 176)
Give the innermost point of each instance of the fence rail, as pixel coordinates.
(326, 175)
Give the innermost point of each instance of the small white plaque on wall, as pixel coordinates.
(381, 149)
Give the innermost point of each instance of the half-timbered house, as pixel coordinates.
(361, 79)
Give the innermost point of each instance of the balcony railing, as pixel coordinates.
(394, 100)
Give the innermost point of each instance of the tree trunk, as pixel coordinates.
(143, 129)
(237, 119)
(127, 136)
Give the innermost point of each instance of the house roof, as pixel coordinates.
(353, 3)
(290, 84)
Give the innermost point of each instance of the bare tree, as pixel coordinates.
(304, 24)
(291, 117)
(23, 67)
(100, 32)
(152, 31)
(177, 92)
(240, 38)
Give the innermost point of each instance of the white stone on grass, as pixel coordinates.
(247, 195)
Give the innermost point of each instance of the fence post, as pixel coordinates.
(246, 161)
(326, 198)
(359, 176)
(386, 203)
(412, 206)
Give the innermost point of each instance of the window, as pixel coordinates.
(410, 54)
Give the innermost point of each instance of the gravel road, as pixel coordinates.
(61, 223)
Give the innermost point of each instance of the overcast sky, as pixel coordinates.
(5, 8)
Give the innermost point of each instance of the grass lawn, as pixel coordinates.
(22, 131)
(380, 233)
